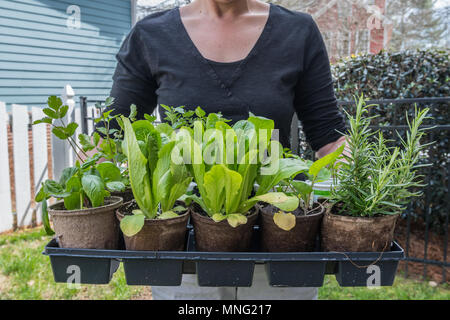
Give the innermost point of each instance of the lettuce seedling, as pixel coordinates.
(156, 181)
(226, 178)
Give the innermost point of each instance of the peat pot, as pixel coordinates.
(220, 236)
(90, 228)
(156, 234)
(301, 238)
(357, 234)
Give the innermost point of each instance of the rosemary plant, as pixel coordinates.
(378, 178)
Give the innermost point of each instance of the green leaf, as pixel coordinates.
(261, 124)
(138, 172)
(115, 186)
(324, 161)
(109, 171)
(200, 112)
(286, 168)
(94, 188)
(54, 189)
(102, 130)
(233, 182)
(60, 133)
(45, 220)
(277, 199)
(63, 111)
(96, 138)
(177, 190)
(51, 113)
(132, 224)
(66, 174)
(167, 215)
(179, 209)
(40, 196)
(214, 185)
(133, 112)
(71, 128)
(109, 101)
(54, 102)
(164, 128)
(211, 120)
(44, 120)
(108, 147)
(142, 128)
(152, 149)
(249, 172)
(90, 161)
(324, 175)
(302, 188)
(162, 178)
(217, 217)
(149, 117)
(236, 219)
(73, 201)
(188, 114)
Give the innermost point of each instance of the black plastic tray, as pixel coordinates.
(165, 268)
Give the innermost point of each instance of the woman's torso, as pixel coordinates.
(263, 82)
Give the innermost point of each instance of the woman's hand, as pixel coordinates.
(331, 147)
(88, 154)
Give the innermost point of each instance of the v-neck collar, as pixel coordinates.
(240, 63)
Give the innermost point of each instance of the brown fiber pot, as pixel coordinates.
(301, 238)
(126, 195)
(214, 236)
(92, 228)
(357, 234)
(157, 235)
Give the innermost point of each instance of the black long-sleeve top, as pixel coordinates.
(287, 71)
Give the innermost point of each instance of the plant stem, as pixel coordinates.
(69, 139)
(81, 200)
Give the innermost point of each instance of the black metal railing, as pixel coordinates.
(85, 116)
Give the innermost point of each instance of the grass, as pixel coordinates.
(403, 289)
(26, 274)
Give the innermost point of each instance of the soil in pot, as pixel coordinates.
(126, 195)
(343, 233)
(301, 238)
(90, 228)
(156, 234)
(214, 236)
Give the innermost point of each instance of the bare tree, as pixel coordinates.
(417, 23)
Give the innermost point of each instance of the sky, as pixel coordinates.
(442, 3)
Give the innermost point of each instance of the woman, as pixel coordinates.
(236, 57)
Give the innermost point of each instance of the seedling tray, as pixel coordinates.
(227, 269)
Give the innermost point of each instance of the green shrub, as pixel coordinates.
(408, 74)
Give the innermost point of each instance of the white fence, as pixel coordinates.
(29, 159)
